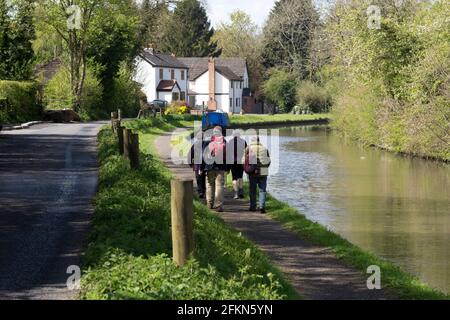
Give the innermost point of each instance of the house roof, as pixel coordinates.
(162, 60)
(167, 85)
(232, 68)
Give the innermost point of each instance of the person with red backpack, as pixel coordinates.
(256, 165)
(215, 167)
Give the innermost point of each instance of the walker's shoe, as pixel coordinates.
(241, 194)
(210, 206)
(220, 209)
(263, 211)
(252, 209)
(201, 196)
(236, 196)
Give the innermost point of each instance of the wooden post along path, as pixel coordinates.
(120, 130)
(126, 142)
(182, 203)
(134, 150)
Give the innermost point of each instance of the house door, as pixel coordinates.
(192, 101)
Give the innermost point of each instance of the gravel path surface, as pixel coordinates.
(48, 177)
(314, 271)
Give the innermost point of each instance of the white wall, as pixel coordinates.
(145, 75)
(201, 87)
(167, 76)
(148, 77)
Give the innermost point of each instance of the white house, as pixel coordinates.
(162, 76)
(215, 83)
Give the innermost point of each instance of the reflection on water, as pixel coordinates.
(395, 206)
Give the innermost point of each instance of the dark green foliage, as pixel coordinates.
(4, 39)
(313, 98)
(16, 36)
(280, 89)
(113, 40)
(19, 102)
(189, 32)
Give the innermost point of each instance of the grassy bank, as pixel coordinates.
(130, 243)
(277, 118)
(401, 283)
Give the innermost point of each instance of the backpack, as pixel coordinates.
(250, 169)
(217, 146)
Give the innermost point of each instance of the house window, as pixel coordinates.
(182, 74)
(175, 96)
(161, 74)
(183, 95)
(231, 102)
(172, 74)
(237, 102)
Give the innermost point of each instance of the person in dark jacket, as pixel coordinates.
(215, 167)
(235, 153)
(195, 160)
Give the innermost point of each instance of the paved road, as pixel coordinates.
(48, 177)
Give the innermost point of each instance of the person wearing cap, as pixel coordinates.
(215, 167)
(235, 153)
(257, 162)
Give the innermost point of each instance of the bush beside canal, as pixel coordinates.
(130, 244)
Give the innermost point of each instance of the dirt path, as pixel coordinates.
(313, 271)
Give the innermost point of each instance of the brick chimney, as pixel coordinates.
(212, 103)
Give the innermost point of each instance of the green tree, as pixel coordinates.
(288, 34)
(113, 38)
(16, 36)
(4, 39)
(154, 15)
(240, 38)
(23, 34)
(280, 89)
(188, 32)
(62, 16)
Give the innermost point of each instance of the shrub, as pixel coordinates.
(178, 108)
(58, 94)
(313, 98)
(279, 89)
(126, 94)
(19, 101)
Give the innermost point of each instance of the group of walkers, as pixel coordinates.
(213, 157)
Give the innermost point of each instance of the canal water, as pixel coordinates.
(397, 207)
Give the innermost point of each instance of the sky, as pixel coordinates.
(219, 10)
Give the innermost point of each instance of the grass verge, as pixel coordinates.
(128, 256)
(277, 118)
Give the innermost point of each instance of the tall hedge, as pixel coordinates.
(19, 101)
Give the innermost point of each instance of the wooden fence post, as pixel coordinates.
(134, 151)
(114, 121)
(120, 130)
(126, 142)
(182, 197)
